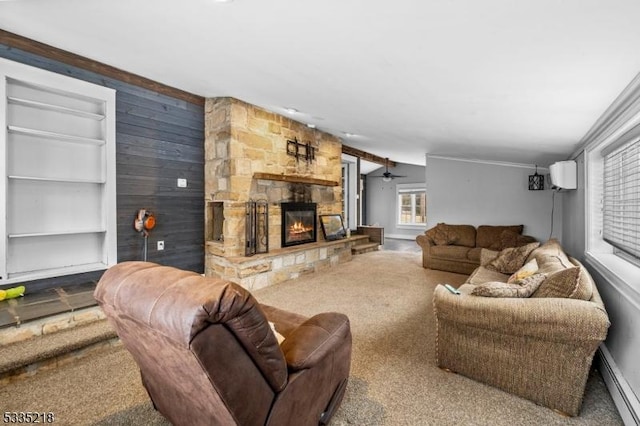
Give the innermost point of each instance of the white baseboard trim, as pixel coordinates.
(400, 236)
(623, 396)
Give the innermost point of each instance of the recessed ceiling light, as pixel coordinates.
(222, 1)
(349, 135)
(311, 126)
(291, 110)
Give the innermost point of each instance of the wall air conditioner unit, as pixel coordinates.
(564, 175)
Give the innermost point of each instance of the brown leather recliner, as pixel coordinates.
(207, 354)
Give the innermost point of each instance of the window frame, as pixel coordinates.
(619, 178)
(414, 188)
(600, 254)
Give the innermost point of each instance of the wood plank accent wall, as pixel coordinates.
(159, 138)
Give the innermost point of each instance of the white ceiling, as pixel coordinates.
(503, 80)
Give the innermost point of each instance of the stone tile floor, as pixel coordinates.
(45, 303)
(397, 244)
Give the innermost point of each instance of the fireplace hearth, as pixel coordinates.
(299, 223)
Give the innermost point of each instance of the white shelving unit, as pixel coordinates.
(57, 195)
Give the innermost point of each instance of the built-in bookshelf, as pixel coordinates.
(58, 188)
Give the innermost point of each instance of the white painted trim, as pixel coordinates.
(50, 82)
(623, 397)
(621, 274)
(622, 115)
(492, 163)
(3, 179)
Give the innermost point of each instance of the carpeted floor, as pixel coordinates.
(394, 379)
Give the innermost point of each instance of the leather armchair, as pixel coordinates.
(207, 354)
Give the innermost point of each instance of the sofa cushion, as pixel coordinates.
(572, 283)
(482, 275)
(474, 254)
(508, 238)
(488, 236)
(450, 252)
(528, 269)
(549, 248)
(437, 235)
(444, 234)
(464, 235)
(521, 288)
(511, 259)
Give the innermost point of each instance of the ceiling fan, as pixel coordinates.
(387, 176)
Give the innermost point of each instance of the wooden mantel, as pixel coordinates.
(295, 179)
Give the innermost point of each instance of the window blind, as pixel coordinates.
(621, 203)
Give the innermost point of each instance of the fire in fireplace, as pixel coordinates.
(298, 223)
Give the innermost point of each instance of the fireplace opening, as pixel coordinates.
(298, 223)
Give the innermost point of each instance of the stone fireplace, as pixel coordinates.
(247, 159)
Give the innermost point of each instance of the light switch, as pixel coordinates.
(160, 245)
(182, 183)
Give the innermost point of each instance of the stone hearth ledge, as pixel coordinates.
(282, 264)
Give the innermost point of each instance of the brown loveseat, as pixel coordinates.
(208, 355)
(538, 347)
(456, 248)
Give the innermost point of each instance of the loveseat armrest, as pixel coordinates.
(315, 338)
(550, 319)
(423, 241)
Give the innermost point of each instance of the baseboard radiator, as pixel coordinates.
(623, 396)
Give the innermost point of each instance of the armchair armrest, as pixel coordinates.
(551, 319)
(318, 336)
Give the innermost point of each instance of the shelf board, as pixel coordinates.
(57, 108)
(54, 234)
(295, 179)
(53, 135)
(54, 179)
(17, 277)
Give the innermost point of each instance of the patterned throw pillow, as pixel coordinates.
(511, 259)
(521, 288)
(568, 283)
(486, 256)
(441, 235)
(529, 268)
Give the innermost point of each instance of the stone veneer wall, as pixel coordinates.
(242, 139)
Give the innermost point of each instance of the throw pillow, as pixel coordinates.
(442, 235)
(509, 238)
(521, 288)
(486, 256)
(529, 268)
(567, 283)
(511, 259)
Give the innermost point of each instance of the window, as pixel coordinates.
(412, 204)
(57, 184)
(621, 199)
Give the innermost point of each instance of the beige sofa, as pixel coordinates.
(456, 248)
(538, 347)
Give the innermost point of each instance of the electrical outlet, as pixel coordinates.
(160, 245)
(182, 183)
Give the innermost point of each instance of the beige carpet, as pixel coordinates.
(394, 379)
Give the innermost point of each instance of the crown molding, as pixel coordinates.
(489, 162)
(621, 116)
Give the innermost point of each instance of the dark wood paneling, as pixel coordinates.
(159, 138)
(46, 51)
